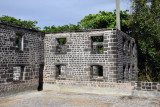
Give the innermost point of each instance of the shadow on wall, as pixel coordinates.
(40, 87)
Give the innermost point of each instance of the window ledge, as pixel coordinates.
(96, 52)
(61, 78)
(57, 53)
(19, 51)
(18, 81)
(97, 79)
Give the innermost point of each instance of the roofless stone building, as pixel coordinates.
(95, 55)
(92, 58)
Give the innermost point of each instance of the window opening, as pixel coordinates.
(97, 71)
(100, 49)
(19, 42)
(133, 49)
(97, 44)
(129, 48)
(97, 38)
(129, 72)
(123, 73)
(123, 46)
(18, 73)
(61, 41)
(61, 47)
(60, 71)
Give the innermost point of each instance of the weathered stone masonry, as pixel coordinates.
(20, 59)
(80, 61)
(118, 59)
(104, 58)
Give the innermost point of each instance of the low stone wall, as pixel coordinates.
(9, 88)
(144, 86)
(147, 86)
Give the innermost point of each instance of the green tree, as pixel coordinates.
(50, 29)
(145, 27)
(105, 20)
(18, 22)
(63, 28)
(94, 21)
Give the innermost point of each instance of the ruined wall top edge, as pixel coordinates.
(106, 30)
(4, 25)
(91, 30)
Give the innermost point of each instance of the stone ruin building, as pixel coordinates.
(96, 55)
(29, 58)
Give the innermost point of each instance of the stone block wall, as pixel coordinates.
(130, 85)
(19, 67)
(108, 63)
(80, 59)
(127, 57)
(147, 86)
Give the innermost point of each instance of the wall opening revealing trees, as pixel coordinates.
(61, 47)
(19, 42)
(60, 72)
(97, 44)
(94, 58)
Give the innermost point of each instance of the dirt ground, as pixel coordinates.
(61, 99)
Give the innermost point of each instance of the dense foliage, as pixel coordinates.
(94, 21)
(70, 27)
(105, 20)
(19, 22)
(145, 28)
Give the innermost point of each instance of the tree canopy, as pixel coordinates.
(102, 19)
(70, 27)
(145, 27)
(105, 19)
(18, 22)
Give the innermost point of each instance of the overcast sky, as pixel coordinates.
(57, 12)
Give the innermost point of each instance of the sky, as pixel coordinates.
(57, 12)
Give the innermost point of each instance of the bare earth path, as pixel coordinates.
(57, 99)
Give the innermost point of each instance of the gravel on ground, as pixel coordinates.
(65, 99)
